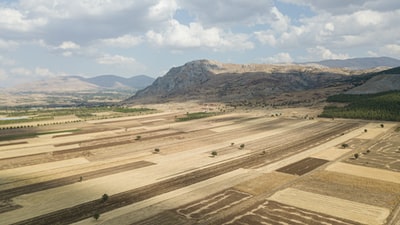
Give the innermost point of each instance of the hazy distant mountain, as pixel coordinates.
(77, 83)
(361, 63)
(112, 81)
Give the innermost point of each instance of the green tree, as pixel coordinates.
(96, 216)
(344, 145)
(104, 198)
(356, 155)
(241, 146)
(214, 153)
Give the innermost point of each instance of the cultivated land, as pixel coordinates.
(280, 169)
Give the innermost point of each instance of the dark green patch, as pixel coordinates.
(195, 116)
(380, 106)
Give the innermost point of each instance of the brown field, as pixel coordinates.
(60, 178)
(303, 166)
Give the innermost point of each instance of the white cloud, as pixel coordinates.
(282, 57)
(232, 12)
(43, 72)
(14, 20)
(347, 6)
(21, 71)
(266, 37)
(125, 41)
(194, 35)
(8, 44)
(163, 10)
(323, 53)
(391, 49)
(68, 45)
(115, 59)
(368, 18)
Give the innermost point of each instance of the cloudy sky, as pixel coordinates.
(41, 38)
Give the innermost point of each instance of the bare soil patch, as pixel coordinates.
(303, 166)
(264, 183)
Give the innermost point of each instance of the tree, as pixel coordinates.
(365, 130)
(214, 153)
(356, 155)
(80, 179)
(156, 150)
(382, 125)
(138, 137)
(104, 198)
(241, 146)
(344, 145)
(96, 216)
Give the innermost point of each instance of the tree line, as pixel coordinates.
(380, 106)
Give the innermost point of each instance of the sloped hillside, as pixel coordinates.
(388, 80)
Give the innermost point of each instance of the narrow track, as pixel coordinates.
(87, 209)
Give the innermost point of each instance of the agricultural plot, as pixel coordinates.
(118, 157)
(303, 166)
(383, 154)
(212, 205)
(272, 212)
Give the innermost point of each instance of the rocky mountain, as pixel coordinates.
(77, 83)
(256, 83)
(361, 63)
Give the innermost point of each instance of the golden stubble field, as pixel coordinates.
(154, 170)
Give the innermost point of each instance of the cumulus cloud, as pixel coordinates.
(282, 57)
(346, 7)
(228, 11)
(68, 45)
(321, 52)
(180, 36)
(8, 44)
(14, 20)
(43, 72)
(391, 49)
(115, 60)
(125, 41)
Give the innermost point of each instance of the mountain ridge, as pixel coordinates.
(208, 80)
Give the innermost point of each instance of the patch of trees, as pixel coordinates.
(196, 115)
(380, 106)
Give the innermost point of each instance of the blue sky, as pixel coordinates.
(45, 38)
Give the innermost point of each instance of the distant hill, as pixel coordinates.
(360, 63)
(78, 83)
(113, 81)
(387, 80)
(258, 84)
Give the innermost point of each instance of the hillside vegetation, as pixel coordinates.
(380, 106)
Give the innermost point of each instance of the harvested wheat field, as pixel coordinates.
(236, 167)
